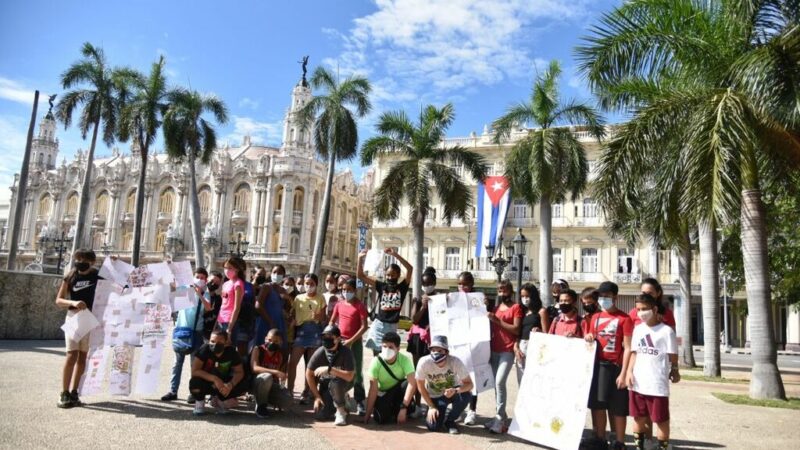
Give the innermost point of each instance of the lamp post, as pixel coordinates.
(519, 242)
(106, 247)
(499, 262)
(238, 248)
(61, 245)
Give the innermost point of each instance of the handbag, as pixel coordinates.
(186, 339)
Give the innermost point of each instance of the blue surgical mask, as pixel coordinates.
(438, 356)
(605, 303)
(349, 295)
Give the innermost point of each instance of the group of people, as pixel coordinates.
(246, 338)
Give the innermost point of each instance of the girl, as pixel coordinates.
(466, 282)
(331, 293)
(309, 311)
(232, 294)
(419, 336)
(568, 323)
(535, 320)
(505, 319)
(652, 287)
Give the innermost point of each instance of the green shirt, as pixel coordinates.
(402, 367)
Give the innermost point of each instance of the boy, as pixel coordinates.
(351, 315)
(654, 363)
(269, 371)
(391, 384)
(568, 323)
(80, 283)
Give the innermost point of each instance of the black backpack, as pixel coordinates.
(552, 313)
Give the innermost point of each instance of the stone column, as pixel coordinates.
(146, 220)
(268, 215)
(286, 218)
(255, 207)
(112, 221)
(263, 217)
(307, 223)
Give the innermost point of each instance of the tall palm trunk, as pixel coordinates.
(194, 206)
(322, 223)
(83, 206)
(686, 355)
(545, 249)
(419, 244)
(765, 379)
(139, 213)
(22, 187)
(709, 266)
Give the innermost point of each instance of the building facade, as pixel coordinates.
(267, 196)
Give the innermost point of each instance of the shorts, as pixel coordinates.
(81, 346)
(239, 333)
(656, 408)
(604, 393)
(417, 346)
(308, 335)
(376, 332)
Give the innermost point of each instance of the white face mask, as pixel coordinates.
(526, 301)
(349, 295)
(388, 353)
(428, 289)
(200, 283)
(311, 288)
(645, 315)
(330, 286)
(276, 277)
(605, 303)
(301, 288)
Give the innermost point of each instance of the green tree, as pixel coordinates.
(549, 163)
(421, 169)
(187, 134)
(102, 90)
(140, 120)
(694, 73)
(333, 115)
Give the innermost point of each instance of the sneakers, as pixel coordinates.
(350, 403)
(76, 401)
(170, 396)
(199, 408)
(305, 398)
(361, 408)
(65, 401)
(341, 417)
(189, 399)
(451, 427)
(617, 445)
(495, 425)
(219, 405)
(262, 412)
(470, 418)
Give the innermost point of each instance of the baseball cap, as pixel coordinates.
(439, 341)
(332, 329)
(607, 286)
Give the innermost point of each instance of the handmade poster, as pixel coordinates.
(95, 374)
(116, 270)
(460, 332)
(373, 260)
(182, 272)
(148, 367)
(78, 325)
(121, 364)
(437, 312)
(157, 321)
(483, 377)
(184, 301)
(551, 403)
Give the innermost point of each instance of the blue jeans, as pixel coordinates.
(502, 363)
(177, 370)
(459, 404)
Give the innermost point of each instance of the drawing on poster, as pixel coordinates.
(94, 376)
(120, 377)
(157, 321)
(182, 272)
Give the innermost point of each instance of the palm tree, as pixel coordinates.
(188, 134)
(549, 163)
(694, 73)
(335, 134)
(422, 167)
(105, 92)
(141, 120)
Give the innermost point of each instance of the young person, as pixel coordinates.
(419, 336)
(391, 384)
(568, 323)
(505, 320)
(534, 320)
(652, 287)
(612, 329)
(232, 295)
(590, 307)
(654, 363)
(270, 305)
(214, 289)
(391, 294)
(351, 315)
(76, 294)
(443, 380)
(309, 310)
(269, 372)
(217, 370)
(466, 283)
(330, 374)
(332, 294)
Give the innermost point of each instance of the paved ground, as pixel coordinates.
(30, 379)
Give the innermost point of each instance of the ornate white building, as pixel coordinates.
(270, 196)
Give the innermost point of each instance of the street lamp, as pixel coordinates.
(519, 242)
(240, 247)
(498, 261)
(61, 245)
(106, 247)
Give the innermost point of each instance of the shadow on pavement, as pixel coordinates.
(681, 443)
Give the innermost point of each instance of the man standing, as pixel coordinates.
(443, 380)
(330, 374)
(391, 383)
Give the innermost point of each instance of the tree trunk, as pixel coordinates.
(194, 207)
(684, 322)
(765, 379)
(85, 199)
(709, 268)
(139, 214)
(545, 250)
(322, 223)
(22, 186)
(419, 244)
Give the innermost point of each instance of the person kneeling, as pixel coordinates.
(443, 380)
(269, 372)
(217, 370)
(391, 383)
(330, 374)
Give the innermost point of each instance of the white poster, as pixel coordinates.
(148, 367)
(121, 365)
(95, 374)
(116, 270)
(551, 403)
(182, 271)
(78, 325)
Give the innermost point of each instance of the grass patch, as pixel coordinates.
(739, 399)
(691, 377)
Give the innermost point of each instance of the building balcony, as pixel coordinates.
(297, 218)
(128, 217)
(591, 277)
(588, 222)
(627, 278)
(98, 220)
(525, 222)
(68, 218)
(41, 218)
(560, 222)
(162, 217)
(239, 217)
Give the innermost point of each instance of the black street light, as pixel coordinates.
(61, 245)
(498, 261)
(520, 242)
(240, 247)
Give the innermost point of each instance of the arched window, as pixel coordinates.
(589, 207)
(278, 198)
(343, 216)
(127, 241)
(161, 238)
(166, 201)
(241, 198)
(101, 204)
(294, 244)
(298, 200)
(130, 202)
(45, 205)
(204, 197)
(72, 203)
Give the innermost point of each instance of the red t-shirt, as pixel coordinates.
(563, 326)
(587, 319)
(668, 318)
(610, 329)
(351, 316)
(273, 361)
(502, 340)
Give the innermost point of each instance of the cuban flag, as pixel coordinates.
(494, 198)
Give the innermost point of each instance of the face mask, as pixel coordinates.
(276, 278)
(605, 303)
(645, 315)
(464, 289)
(261, 279)
(438, 356)
(200, 283)
(349, 296)
(311, 289)
(230, 273)
(388, 353)
(330, 287)
(273, 347)
(216, 347)
(289, 288)
(212, 286)
(526, 301)
(565, 307)
(503, 298)
(82, 266)
(301, 288)
(429, 289)
(328, 343)
(590, 308)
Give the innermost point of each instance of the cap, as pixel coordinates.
(439, 341)
(608, 286)
(561, 282)
(332, 329)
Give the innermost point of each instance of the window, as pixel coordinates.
(101, 204)
(166, 201)
(557, 210)
(161, 239)
(343, 217)
(127, 241)
(298, 200)
(625, 260)
(241, 198)
(72, 204)
(558, 260)
(520, 209)
(279, 199)
(452, 258)
(458, 168)
(589, 207)
(425, 257)
(589, 260)
(45, 205)
(294, 244)
(204, 198)
(130, 202)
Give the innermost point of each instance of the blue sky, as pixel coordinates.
(479, 54)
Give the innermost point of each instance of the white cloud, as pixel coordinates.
(17, 92)
(12, 148)
(248, 102)
(269, 133)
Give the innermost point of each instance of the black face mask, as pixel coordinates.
(82, 266)
(212, 286)
(217, 347)
(565, 307)
(261, 280)
(590, 308)
(503, 298)
(328, 343)
(391, 284)
(273, 347)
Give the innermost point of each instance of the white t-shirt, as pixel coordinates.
(437, 379)
(652, 346)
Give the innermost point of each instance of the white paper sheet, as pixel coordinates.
(463, 353)
(157, 321)
(95, 374)
(121, 365)
(476, 302)
(460, 332)
(373, 260)
(181, 302)
(148, 367)
(483, 378)
(116, 271)
(78, 325)
(457, 306)
(437, 313)
(182, 272)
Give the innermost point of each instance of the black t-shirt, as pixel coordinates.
(210, 317)
(390, 303)
(529, 322)
(82, 287)
(342, 360)
(222, 365)
(424, 321)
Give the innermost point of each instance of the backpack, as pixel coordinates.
(552, 313)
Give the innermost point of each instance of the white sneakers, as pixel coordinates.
(199, 408)
(341, 417)
(495, 425)
(470, 418)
